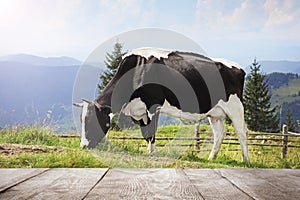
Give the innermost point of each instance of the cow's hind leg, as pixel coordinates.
(235, 111)
(217, 126)
(149, 130)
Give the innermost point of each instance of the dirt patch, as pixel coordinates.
(15, 149)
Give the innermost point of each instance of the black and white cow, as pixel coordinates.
(186, 85)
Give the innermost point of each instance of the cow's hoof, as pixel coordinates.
(151, 148)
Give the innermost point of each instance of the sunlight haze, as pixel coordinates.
(239, 30)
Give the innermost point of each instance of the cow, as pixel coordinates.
(186, 85)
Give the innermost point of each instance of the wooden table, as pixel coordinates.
(149, 184)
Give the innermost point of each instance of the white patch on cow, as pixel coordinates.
(227, 63)
(147, 52)
(175, 112)
(84, 142)
(150, 115)
(111, 116)
(136, 109)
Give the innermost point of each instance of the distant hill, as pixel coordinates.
(32, 93)
(285, 90)
(277, 79)
(41, 61)
(278, 66)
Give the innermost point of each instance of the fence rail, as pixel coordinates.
(283, 140)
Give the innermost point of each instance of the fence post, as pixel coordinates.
(284, 141)
(197, 136)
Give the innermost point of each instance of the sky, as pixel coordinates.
(240, 30)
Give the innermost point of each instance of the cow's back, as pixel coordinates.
(202, 74)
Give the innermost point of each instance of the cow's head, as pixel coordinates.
(95, 122)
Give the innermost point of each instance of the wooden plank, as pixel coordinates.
(286, 180)
(11, 177)
(266, 183)
(145, 184)
(212, 186)
(56, 184)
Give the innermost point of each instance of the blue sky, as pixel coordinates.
(238, 30)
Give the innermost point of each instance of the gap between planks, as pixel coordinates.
(21, 178)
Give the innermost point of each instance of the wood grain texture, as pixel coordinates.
(149, 184)
(212, 186)
(145, 184)
(56, 184)
(266, 183)
(11, 177)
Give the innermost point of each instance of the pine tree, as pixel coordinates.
(258, 112)
(289, 121)
(112, 62)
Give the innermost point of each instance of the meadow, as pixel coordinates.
(29, 146)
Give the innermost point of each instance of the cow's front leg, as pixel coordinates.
(148, 133)
(149, 130)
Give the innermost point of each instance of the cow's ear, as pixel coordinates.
(87, 101)
(80, 105)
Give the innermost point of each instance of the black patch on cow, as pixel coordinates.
(155, 94)
(233, 79)
(187, 67)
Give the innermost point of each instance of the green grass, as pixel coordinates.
(69, 158)
(186, 157)
(130, 154)
(191, 159)
(71, 154)
(36, 135)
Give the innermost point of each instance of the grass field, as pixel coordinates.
(37, 147)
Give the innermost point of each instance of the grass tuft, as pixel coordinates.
(35, 135)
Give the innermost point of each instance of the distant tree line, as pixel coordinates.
(276, 79)
(289, 114)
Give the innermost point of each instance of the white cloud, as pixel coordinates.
(260, 19)
(52, 27)
(29, 26)
(76, 27)
(248, 17)
(281, 13)
(244, 29)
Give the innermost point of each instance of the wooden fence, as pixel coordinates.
(282, 140)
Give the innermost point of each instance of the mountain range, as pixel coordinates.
(268, 66)
(41, 61)
(37, 90)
